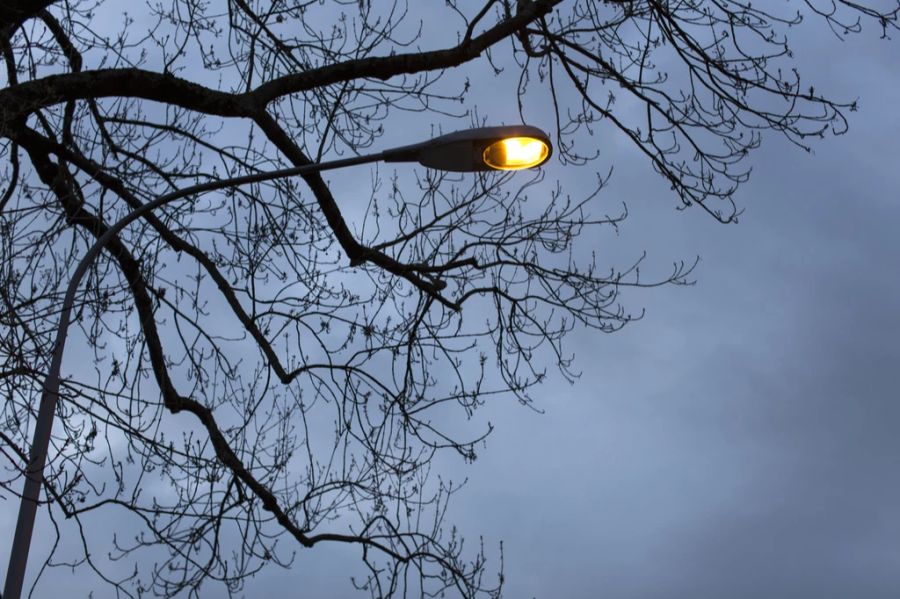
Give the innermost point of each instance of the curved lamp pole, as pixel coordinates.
(487, 148)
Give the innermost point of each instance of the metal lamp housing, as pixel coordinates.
(464, 151)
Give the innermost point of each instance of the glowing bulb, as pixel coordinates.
(516, 153)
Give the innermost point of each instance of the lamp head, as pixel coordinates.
(512, 147)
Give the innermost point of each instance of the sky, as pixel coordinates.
(740, 440)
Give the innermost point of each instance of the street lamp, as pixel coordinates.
(482, 149)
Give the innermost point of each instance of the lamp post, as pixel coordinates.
(483, 149)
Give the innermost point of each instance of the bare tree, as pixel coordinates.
(273, 368)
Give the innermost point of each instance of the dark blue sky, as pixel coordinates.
(741, 440)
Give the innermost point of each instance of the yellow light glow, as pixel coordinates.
(516, 153)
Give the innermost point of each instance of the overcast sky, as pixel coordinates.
(742, 439)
